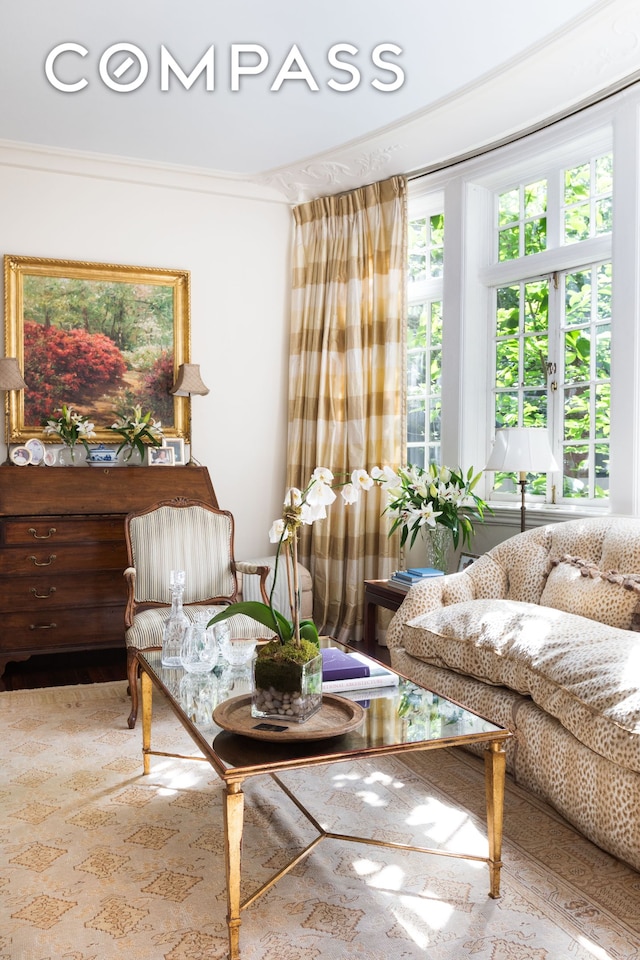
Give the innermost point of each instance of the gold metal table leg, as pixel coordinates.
(233, 823)
(495, 763)
(146, 691)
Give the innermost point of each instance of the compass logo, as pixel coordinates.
(124, 67)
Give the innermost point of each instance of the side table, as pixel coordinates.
(378, 593)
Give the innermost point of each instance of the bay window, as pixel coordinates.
(523, 294)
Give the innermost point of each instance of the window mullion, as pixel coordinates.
(555, 381)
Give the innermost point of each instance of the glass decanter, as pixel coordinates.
(175, 627)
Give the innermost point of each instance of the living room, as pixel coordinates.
(573, 81)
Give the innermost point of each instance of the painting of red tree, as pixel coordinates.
(102, 345)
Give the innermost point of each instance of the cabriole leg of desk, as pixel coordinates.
(233, 823)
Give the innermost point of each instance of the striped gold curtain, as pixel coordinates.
(346, 400)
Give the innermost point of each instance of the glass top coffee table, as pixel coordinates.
(406, 718)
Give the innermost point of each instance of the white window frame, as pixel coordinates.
(470, 274)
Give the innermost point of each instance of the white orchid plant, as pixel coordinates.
(71, 427)
(421, 498)
(300, 507)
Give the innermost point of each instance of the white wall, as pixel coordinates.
(235, 240)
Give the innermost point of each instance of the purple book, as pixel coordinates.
(337, 665)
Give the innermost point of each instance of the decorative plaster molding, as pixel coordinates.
(329, 176)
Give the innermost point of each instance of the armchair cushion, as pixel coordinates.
(148, 625)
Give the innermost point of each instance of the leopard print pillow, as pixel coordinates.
(578, 586)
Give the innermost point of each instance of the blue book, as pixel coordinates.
(421, 572)
(405, 576)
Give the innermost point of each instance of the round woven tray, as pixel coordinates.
(335, 717)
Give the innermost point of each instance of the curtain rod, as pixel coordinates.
(624, 84)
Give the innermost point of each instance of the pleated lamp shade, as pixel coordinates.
(189, 382)
(10, 376)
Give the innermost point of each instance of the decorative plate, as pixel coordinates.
(335, 717)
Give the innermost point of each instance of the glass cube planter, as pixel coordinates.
(285, 690)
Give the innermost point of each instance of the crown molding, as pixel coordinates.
(77, 163)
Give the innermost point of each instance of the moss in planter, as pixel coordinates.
(280, 665)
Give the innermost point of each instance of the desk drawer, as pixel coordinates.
(46, 558)
(48, 531)
(48, 591)
(66, 630)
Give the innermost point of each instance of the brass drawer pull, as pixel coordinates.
(42, 626)
(42, 563)
(43, 596)
(32, 531)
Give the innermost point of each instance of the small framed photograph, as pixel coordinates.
(50, 458)
(21, 456)
(177, 445)
(37, 450)
(161, 457)
(466, 559)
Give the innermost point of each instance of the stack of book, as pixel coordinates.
(353, 671)
(408, 578)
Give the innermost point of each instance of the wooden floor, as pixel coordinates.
(60, 669)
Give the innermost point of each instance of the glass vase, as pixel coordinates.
(70, 456)
(286, 690)
(438, 541)
(199, 651)
(130, 456)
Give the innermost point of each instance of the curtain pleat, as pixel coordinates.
(347, 383)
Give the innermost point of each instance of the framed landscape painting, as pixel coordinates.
(100, 337)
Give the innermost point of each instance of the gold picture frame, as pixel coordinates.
(99, 336)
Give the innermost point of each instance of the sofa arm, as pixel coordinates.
(486, 577)
(434, 592)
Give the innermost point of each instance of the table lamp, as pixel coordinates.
(10, 379)
(522, 450)
(189, 384)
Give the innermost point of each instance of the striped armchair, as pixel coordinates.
(184, 535)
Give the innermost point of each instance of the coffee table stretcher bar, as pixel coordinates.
(233, 811)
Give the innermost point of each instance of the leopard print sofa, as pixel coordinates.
(540, 635)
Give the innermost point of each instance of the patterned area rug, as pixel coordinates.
(99, 862)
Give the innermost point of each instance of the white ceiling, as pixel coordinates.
(454, 55)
